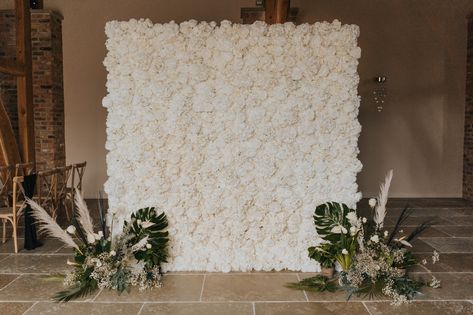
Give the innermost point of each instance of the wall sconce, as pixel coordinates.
(380, 92)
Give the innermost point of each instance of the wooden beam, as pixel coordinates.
(25, 81)
(276, 11)
(11, 67)
(9, 154)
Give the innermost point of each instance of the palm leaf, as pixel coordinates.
(318, 283)
(329, 216)
(74, 293)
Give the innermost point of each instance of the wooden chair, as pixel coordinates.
(10, 213)
(47, 191)
(6, 178)
(78, 170)
(24, 169)
(62, 189)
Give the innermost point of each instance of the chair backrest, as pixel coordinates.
(18, 196)
(23, 169)
(6, 177)
(47, 190)
(78, 171)
(63, 176)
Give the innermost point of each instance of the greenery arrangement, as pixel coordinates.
(372, 260)
(106, 261)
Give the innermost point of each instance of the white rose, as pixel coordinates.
(365, 220)
(372, 202)
(148, 245)
(71, 229)
(352, 230)
(374, 238)
(344, 252)
(90, 238)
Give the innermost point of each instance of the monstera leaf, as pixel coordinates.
(331, 220)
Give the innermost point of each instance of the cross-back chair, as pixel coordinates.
(62, 190)
(6, 177)
(10, 213)
(47, 191)
(24, 169)
(78, 170)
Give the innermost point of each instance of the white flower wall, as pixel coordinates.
(236, 131)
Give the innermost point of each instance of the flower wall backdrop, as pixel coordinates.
(236, 131)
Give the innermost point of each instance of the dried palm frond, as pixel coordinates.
(49, 226)
(380, 211)
(83, 215)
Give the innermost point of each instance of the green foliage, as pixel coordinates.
(318, 283)
(86, 285)
(324, 254)
(370, 289)
(328, 216)
(157, 237)
(407, 286)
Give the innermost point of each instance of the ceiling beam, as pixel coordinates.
(276, 11)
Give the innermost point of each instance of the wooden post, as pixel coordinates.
(276, 11)
(25, 81)
(8, 147)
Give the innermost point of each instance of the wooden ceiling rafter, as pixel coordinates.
(21, 68)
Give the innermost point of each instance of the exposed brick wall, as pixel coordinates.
(48, 92)
(251, 15)
(468, 145)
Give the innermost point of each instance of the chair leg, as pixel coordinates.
(4, 239)
(15, 241)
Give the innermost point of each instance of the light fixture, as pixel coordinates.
(380, 92)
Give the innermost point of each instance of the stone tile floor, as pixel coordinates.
(27, 279)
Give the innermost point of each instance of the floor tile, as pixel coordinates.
(454, 286)
(450, 244)
(31, 288)
(49, 246)
(197, 309)
(175, 288)
(449, 262)
(457, 231)
(419, 246)
(73, 308)
(19, 263)
(6, 279)
(464, 220)
(14, 308)
(421, 308)
(303, 308)
(250, 287)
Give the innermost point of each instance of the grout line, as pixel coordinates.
(141, 308)
(97, 295)
(305, 293)
(29, 308)
(366, 307)
(232, 302)
(202, 289)
(11, 282)
(57, 250)
(5, 258)
(254, 308)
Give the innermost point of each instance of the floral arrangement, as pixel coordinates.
(262, 118)
(106, 261)
(372, 260)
